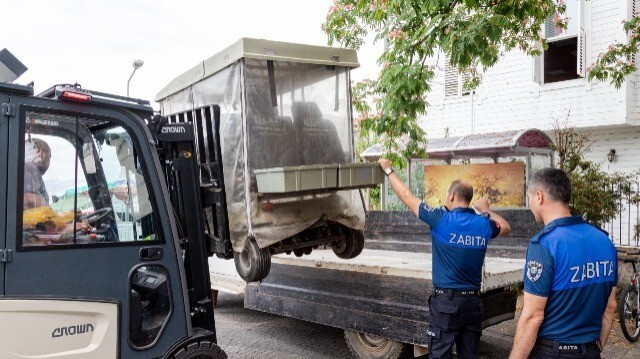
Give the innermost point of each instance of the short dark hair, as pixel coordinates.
(554, 182)
(43, 147)
(462, 190)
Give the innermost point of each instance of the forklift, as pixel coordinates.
(103, 246)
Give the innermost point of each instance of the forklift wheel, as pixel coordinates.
(351, 245)
(202, 349)
(253, 263)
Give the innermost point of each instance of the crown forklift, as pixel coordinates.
(102, 251)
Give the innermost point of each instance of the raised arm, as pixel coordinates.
(404, 193)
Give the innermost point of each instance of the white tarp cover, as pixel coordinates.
(304, 119)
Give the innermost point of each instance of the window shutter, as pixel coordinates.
(633, 12)
(582, 43)
(451, 80)
(550, 28)
(538, 63)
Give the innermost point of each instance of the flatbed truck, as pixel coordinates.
(379, 298)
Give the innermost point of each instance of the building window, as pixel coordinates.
(454, 82)
(564, 58)
(560, 60)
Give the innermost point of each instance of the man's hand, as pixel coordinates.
(403, 192)
(481, 205)
(384, 163)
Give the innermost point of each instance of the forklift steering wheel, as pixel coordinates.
(94, 218)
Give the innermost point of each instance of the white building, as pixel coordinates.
(520, 92)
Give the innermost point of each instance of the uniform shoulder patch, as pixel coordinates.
(534, 270)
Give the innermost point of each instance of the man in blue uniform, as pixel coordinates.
(459, 241)
(570, 279)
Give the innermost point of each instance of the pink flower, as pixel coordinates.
(349, 7)
(372, 7)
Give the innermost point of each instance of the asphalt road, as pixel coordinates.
(247, 334)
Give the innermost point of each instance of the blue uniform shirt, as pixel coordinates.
(574, 265)
(459, 241)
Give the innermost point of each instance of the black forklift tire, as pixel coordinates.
(351, 246)
(203, 349)
(365, 346)
(253, 263)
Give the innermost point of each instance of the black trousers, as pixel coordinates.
(454, 320)
(548, 349)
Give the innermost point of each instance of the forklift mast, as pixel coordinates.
(196, 189)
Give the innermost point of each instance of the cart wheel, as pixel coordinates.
(253, 263)
(366, 346)
(203, 349)
(351, 245)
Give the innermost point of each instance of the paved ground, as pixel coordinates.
(248, 334)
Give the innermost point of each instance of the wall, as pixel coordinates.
(508, 98)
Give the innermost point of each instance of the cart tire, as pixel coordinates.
(629, 313)
(351, 246)
(203, 349)
(253, 263)
(365, 346)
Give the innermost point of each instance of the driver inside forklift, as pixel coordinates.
(83, 184)
(36, 198)
(66, 200)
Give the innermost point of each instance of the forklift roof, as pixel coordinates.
(265, 50)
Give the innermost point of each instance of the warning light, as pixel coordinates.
(75, 96)
(72, 92)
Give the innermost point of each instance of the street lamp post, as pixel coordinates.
(136, 65)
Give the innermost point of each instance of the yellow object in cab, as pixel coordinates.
(44, 214)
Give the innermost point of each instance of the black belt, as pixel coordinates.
(455, 293)
(567, 348)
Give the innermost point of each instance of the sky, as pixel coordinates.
(94, 42)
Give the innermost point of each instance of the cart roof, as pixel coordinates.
(264, 50)
(493, 144)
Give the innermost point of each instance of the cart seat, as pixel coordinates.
(319, 142)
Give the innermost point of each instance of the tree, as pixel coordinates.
(595, 194)
(474, 34)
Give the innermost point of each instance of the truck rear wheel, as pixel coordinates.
(253, 263)
(351, 246)
(202, 349)
(366, 346)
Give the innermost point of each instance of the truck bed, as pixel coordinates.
(380, 292)
(499, 272)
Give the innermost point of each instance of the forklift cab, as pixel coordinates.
(92, 264)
